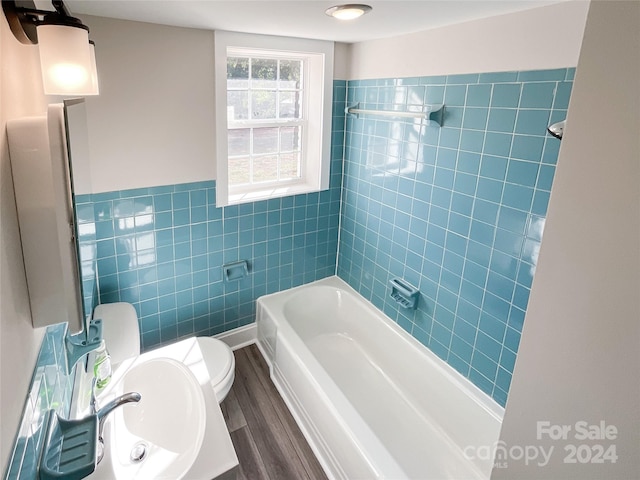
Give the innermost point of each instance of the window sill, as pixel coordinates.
(236, 198)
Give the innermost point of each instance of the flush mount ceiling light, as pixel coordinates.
(348, 11)
(67, 58)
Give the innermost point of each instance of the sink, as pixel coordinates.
(160, 436)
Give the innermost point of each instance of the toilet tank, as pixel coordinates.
(119, 329)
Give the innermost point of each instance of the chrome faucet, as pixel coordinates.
(103, 412)
(112, 405)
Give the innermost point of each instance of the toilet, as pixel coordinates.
(122, 335)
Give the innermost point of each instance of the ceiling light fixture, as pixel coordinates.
(67, 58)
(348, 11)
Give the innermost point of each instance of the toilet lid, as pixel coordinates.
(217, 356)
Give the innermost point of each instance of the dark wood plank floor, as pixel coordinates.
(269, 444)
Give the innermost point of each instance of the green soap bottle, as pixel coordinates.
(102, 366)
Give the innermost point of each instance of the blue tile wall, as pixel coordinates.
(457, 211)
(162, 249)
(51, 388)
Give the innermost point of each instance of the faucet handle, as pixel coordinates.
(92, 402)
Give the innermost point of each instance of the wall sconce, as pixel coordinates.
(67, 57)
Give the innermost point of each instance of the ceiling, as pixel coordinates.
(303, 18)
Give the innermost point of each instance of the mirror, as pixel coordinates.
(75, 115)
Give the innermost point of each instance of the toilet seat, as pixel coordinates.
(220, 362)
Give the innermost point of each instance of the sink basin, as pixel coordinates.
(160, 436)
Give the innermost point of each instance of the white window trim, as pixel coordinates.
(318, 146)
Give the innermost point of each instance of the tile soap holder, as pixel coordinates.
(235, 271)
(69, 450)
(404, 293)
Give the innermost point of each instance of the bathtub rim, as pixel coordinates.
(482, 399)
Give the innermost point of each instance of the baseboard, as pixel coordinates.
(239, 337)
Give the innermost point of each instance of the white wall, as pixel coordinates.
(341, 61)
(20, 95)
(579, 358)
(542, 38)
(153, 122)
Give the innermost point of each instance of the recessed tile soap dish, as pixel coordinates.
(235, 271)
(404, 293)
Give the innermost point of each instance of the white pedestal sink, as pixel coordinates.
(175, 432)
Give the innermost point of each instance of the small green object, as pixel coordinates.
(102, 366)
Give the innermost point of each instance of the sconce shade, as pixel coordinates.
(66, 60)
(94, 70)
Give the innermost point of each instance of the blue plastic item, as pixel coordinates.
(69, 448)
(82, 343)
(404, 293)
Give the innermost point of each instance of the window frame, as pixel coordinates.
(302, 122)
(317, 108)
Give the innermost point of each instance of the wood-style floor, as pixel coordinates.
(268, 442)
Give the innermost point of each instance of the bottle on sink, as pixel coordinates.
(102, 366)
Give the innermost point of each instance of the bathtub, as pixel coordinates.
(371, 400)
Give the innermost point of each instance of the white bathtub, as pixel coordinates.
(370, 399)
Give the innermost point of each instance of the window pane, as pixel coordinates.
(239, 141)
(265, 140)
(289, 139)
(290, 74)
(237, 105)
(265, 169)
(264, 73)
(289, 165)
(239, 170)
(263, 104)
(264, 90)
(237, 72)
(290, 105)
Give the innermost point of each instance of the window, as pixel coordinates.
(273, 116)
(265, 119)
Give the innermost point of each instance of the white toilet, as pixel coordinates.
(122, 335)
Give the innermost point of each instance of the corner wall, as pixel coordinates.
(21, 95)
(579, 359)
(480, 231)
(457, 211)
